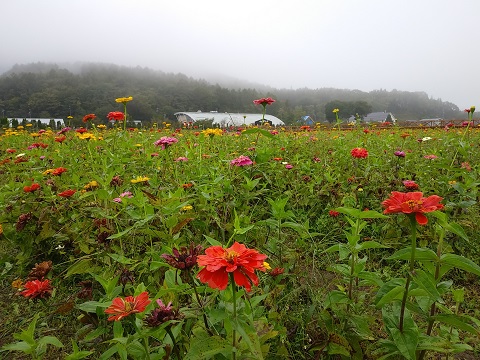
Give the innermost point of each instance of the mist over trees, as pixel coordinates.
(51, 91)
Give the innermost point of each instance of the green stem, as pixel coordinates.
(234, 332)
(125, 116)
(205, 321)
(413, 226)
(175, 348)
(147, 349)
(433, 308)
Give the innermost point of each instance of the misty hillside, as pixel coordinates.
(56, 91)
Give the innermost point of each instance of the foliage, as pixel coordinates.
(339, 267)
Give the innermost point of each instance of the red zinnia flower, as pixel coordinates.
(412, 203)
(264, 101)
(115, 115)
(81, 130)
(237, 259)
(333, 213)
(88, 117)
(60, 139)
(32, 187)
(67, 193)
(121, 308)
(37, 289)
(58, 171)
(11, 151)
(359, 153)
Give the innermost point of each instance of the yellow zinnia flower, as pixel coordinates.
(187, 207)
(267, 266)
(91, 185)
(139, 179)
(124, 100)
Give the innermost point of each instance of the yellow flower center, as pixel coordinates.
(128, 306)
(230, 256)
(413, 204)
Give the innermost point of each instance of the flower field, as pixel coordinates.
(257, 243)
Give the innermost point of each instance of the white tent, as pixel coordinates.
(226, 119)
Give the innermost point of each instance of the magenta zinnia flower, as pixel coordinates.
(242, 160)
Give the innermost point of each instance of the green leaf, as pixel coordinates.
(19, 346)
(204, 348)
(421, 254)
(120, 259)
(371, 214)
(82, 266)
(258, 130)
(369, 245)
(91, 306)
(407, 340)
(461, 262)
(337, 349)
(212, 241)
(50, 340)
(427, 283)
(391, 295)
(457, 321)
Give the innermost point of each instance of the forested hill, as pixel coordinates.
(52, 91)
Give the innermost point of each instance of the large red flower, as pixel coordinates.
(37, 289)
(412, 203)
(237, 259)
(115, 115)
(121, 308)
(264, 101)
(359, 153)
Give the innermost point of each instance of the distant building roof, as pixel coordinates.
(226, 119)
(379, 116)
(29, 120)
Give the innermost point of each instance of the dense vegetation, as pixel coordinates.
(89, 219)
(49, 91)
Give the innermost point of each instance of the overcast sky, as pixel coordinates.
(410, 45)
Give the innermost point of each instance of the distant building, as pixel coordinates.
(376, 117)
(226, 119)
(30, 120)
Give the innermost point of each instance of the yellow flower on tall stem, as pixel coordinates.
(124, 101)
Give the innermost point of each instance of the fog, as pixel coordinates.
(409, 45)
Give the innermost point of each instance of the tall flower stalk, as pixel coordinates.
(124, 101)
(264, 102)
(414, 205)
(470, 118)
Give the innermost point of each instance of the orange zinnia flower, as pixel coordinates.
(237, 259)
(58, 171)
(121, 308)
(31, 188)
(412, 203)
(88, 117)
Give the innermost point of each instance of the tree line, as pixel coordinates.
(49, 91)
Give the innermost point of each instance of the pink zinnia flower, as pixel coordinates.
(242, 160)
(181, 158)
(165, 142)
(399, 153)
(264, 101)
(430, 157)
(410, 185)
(288, 166)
